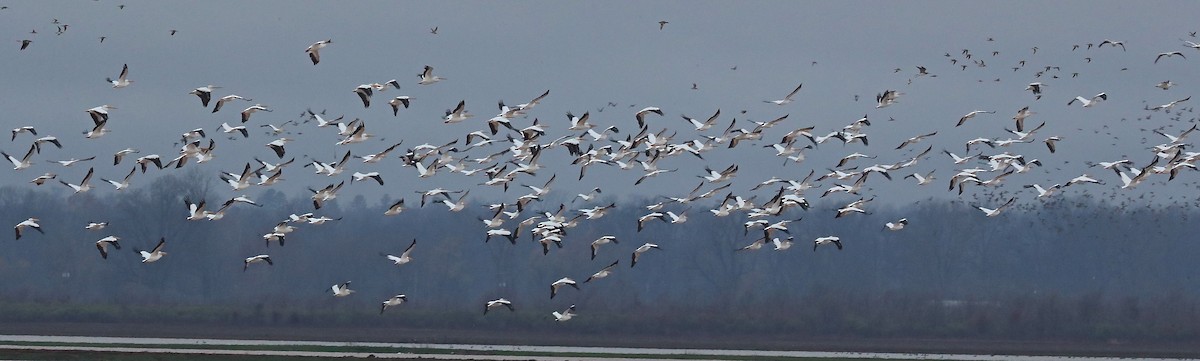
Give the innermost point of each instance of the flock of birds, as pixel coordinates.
(504, 152)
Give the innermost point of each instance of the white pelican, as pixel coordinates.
(256, 259)
(155, 159)
(602, 241)
(195, 210)
(897, 225)
(1165, 85)
(1168, 54)
(31, 223)
(95, 226)
(103, 244)
(397, 102)
(251, 110)
(1168, 106)
(835, 240)
(500, 302)
(404, 257)
(994, 212)
(240, 129)
(786, 99)
(922, 179)
(1083, 179)
(392, 302)
(119, 155)
(277, 146)
(888, 97)
(565, 281)
(122, 80)
(314, 50)
(456, 206)
(100, 114)
(641, 115)
(427, 76)
(154, 254)
(342, 290)
(782, 245)
(642, 249)
(84, 185)
(605, 272)
(1087, 103)
(23, 129)
(228, 98)
(916, 139)
(123, 184)
(972, 114)
(458, 114)
(71, 162)
(1112, 44)
(579, 122)
(395, 208)
(1044, 192)
(364, 93)
(205, 93)
(24, 162)
(565, 315)
(358, 176)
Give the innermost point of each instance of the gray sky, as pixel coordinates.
(591, 53)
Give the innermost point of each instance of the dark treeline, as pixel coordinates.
(1070, 268)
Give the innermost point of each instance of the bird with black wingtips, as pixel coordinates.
(314, 50)
(256, 259)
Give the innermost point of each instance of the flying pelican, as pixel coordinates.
(392, 302)
(397, 102)
(100, 114)
(972, 114)
(1087, 103)
(256, 259)
(122, 80)
(427, 76)
(602, 241)
(123, 184)
(24, 162)
(1112, 44)
(897, 225)
(565, 315)
(404, 257)
(642, 249)
(84, 185)
(226, 99)
(23, 129)
(605, 272)
(786, 99)
(565, 281)
(395, 208)
(641, 115)
(314, 50)
(342, 290)
(205, 93)
(458, 114)
(994, 212)
(154, 254)
(277, 146)
(497, 303)
(835, 240)
(251, 110)
(31, 223)
(103, 244)
(1168, 54)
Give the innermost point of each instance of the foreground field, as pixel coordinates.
(441, 344)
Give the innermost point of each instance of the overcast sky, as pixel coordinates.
(588, 54)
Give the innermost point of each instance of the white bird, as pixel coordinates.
(641, 115)
(397, 102)
(500, 302)
(240, 129)
(84, 185)
(392, 302)
(605, 272)
(395, 208)
(1087, 103)
(122, 80)
(637, 253)
(458, 114)
(23, 129)
(786, 99)
(31, 223)
(972, 114)
(103, 244)
(1168, 54)
(565, 315)
(994, 212)
(251, 110)
(602, 241)
(835, 240)
(123, 184)
(277, 146)
(24, 162)
(782, 244)
(256, 259)
(1165, 85)
(72, 161)
(342, 290)
(358, 176)
(897, 225)
(154, 254)
(100, 114)
(404, 257)
(205, 93)
(314, 50)
(922, 179)
(228, 98)
(1044, 192)
(427, 76)
(565, 281)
